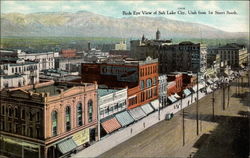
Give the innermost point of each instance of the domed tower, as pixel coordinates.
(158, 34)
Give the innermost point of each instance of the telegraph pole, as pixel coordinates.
(228, 94)
(197, 105)
(183, 125)
(213, 100)
(223, 95)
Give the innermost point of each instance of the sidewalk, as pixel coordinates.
(110, 141)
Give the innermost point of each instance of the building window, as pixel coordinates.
(16, 112)
(38, 116)
(10, 112)
(90, 110)
(67, 114)
(30, 132)
(149, 83)
(54, 123)
(37, 132)
(23, 129)
(79, 114)
(23, 114)
(10, 127)
(30, 116)
(3, 110)
(142, 84)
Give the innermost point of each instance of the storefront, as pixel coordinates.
(14, 147)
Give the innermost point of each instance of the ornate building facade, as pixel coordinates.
(48, 120)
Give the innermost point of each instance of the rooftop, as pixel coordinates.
(103, 92)
(53, 89)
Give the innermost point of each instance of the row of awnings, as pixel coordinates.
(187, 92)
(126, 118)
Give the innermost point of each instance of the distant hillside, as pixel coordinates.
(87, 24)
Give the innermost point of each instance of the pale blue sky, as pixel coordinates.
(232, 23)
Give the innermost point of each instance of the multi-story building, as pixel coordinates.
(45, 59)
(121, 46)
(70, 64)
(141, 49)
(111, 101)
(47, 120)
(163, 89)
(67, 53)
(141, 78)
(235, 54)
(16, 72)
(185, 56)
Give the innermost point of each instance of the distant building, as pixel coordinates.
(141, 49)
(71, 64)
(45, 59)
(16, 72)
(235, 54)
(141, 78)
(162, 89)
(121, 46)
(47, 120)
(67, 53)
(185, 56)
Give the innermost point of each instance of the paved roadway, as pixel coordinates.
(165, 139)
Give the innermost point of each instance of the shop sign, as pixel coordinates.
(81, 137)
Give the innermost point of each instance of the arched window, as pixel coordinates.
(149, 83)
(54, 123)
(79, 114)
(67, 114)
(90, 110)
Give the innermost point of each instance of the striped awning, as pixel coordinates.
(147, 108)
(111, 125)
(172, 98)
(209, 90)
(137, 113)
(186, 92)
(66, 146)
(124, 118)
(155, 104)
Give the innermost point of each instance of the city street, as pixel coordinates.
(225, 136)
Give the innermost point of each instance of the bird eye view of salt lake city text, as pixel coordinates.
(124, 79)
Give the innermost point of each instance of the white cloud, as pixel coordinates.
(66, 7)
(207, 5)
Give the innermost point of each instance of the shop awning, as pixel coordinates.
(111, 125)
(147, 108)
(176, 96)
(137, 113)
(186, 92)
(209, 90)
(124, 118)
(172, 98)
(155, 104)
(209, 81)
(66, 146)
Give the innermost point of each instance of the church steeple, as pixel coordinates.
(143, 38)
(158, 34)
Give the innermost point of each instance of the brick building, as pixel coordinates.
(67, 53)
(177, 77)
(139, 76)
(48, 119)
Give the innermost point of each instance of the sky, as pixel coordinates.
(228, 22)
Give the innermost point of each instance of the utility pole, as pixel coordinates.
(213, 100)
(183, 125)
(223, 95)
(197, 105)
(228, 94)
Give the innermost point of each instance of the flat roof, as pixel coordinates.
(51, 89)
(103, 92)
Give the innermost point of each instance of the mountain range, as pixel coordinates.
(88, 24)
